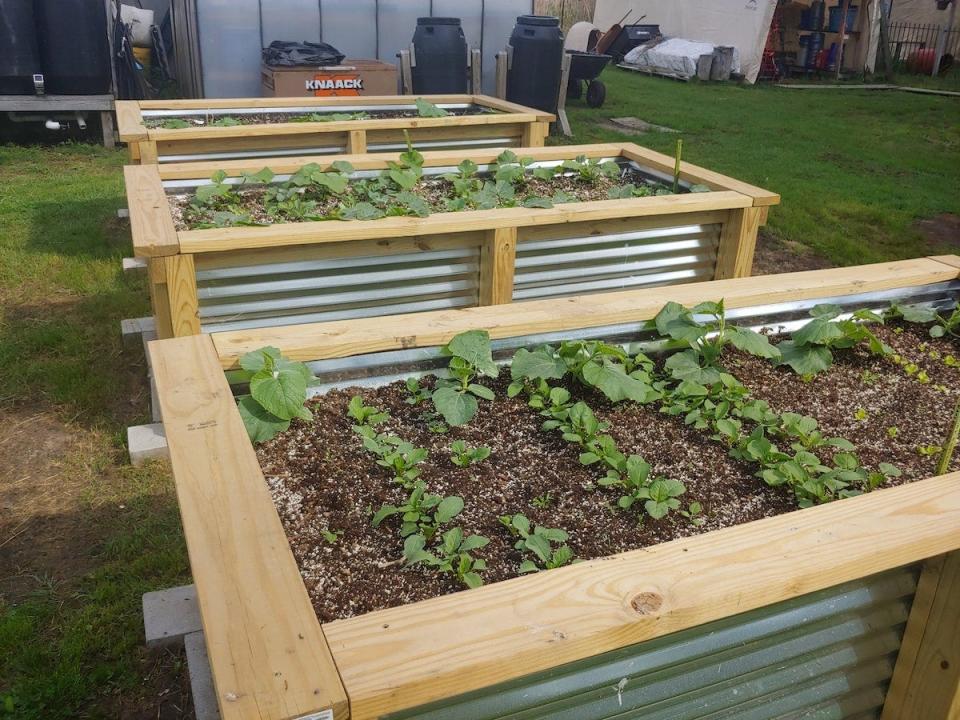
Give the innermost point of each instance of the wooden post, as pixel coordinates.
(497, 257)
(476, 72)
(926, 679)
(501, 73)
(562, 96)
(843, 35)
(738, 241)
(534, 134)
(148, 152)
(406, 73)
(357, 142)
(173, 293)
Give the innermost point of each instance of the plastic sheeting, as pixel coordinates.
(744, 24)
(676, 57)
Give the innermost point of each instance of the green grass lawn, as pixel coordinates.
(854, 168)
(855, 171)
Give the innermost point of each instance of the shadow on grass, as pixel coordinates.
(87, 228)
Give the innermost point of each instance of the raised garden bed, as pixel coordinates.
(547, 231)
(177, 131)
(510, 640)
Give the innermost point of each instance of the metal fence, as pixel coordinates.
(906, 39)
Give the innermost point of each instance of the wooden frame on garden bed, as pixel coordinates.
(514, 125)
(734, 209)
(271, 658)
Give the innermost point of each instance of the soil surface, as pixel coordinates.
(323, 480)
(435, 191)
(274, 118)
(941, 230)
(780, 256)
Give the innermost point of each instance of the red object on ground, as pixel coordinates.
(921, 61)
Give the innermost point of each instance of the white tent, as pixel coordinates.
(744, 24)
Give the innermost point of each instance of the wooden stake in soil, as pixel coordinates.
(951, 444)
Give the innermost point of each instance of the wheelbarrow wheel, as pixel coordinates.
(596, 93)
(574, 89)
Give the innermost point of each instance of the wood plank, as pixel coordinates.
(431, 158)
(509, 629)
(129, 122)
(182, 295)
(57, 103)
(355, 337)
(926, 679)
(272, 102)
(738, 240)
(267, 651)
(699, 175)
(498, 255)
(300, 128)
(151, 223)
(310, 233)
(951, 260)
(159, 297)
(509, 107)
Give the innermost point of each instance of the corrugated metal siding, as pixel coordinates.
(618, 261)
(828, 655)
(263, 295)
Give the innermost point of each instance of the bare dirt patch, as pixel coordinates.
(779, 256)
(941, 230)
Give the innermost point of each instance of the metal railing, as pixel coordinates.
(906, 38)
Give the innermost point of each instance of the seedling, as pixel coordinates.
(427, 109)
(175, 124)
(590, 171)
(860, 415)
(422, 512)
(543, 501)
(453, 555)
(541, 542)
(941, 324)
(416, 394)
(365, 414)
(892, 431)
(225, 121)
(929, 450)
(463, 456)
(809, 349)
(278, 391)
(331, 536)
(470, 357)
(694, 513)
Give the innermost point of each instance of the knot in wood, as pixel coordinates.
(646, 603)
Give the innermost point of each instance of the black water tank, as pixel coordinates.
(19, 54)
(440, 51)
(74, 46)
(534, 76)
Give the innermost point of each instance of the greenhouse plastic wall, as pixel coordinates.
(229, 34)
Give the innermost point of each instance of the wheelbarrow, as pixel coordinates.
(585, 67)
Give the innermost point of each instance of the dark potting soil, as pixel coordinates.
(267, 118)
(322, 480)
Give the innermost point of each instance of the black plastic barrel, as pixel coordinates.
(534, 76)
(74, 49)
(440, 52)
(19, 54)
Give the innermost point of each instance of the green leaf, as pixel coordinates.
(472, 580)
(383, 513)
(474, 347)
(457, 408)
(539, 364)
(820, 331)
(528, 566)
(473, 542)
(256, 360)
(449, 508)
(675, 321)
(538, 202)
(752, 342)
(539, 546)
(613, 381)
(428, 109)
(685, 365)
(805, 359)
(281, 389)
(481, 392)
(827, 311)
(260, 424)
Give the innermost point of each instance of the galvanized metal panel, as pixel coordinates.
(262, 295)
(619, 261)
(825, 655)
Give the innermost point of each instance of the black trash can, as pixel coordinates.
(74, 49)
(19, 53)
(534, 76)
(440, 53)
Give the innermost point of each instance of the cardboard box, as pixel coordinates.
(355, 77)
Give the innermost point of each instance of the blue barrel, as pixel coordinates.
(19, 53)
(816, 15)
(836, 13)
(814, 46)
(534, 76)
(440, 50)
(802, 53)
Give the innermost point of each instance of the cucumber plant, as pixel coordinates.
(454, 555)
(546, 545)
(422, 512)
(455, 398)
(278, 391)
(463, 456)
